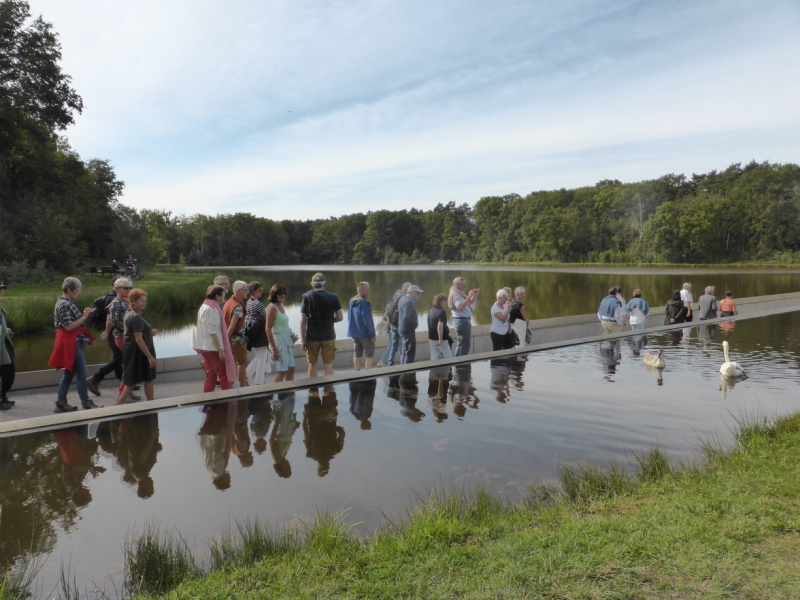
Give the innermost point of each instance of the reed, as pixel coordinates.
(588, 482)
(653, 464)
(156, 561)
(248, 542)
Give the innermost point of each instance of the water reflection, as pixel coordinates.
(609, 352)
(462, 393)
(323, 437)
(280, 440)
(216, 439)
(362, 401)
(134, 444)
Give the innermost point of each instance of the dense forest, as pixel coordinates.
(59, 213)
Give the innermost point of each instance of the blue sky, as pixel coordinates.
(305, 109)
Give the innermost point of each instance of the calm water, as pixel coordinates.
(550, 293)
(368, 446)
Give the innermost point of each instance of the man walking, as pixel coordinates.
(360, 327)
(235, 312)
(407, 325)
(319, 311)
(686, 296)
(222, 281)
(610, 312)
(461, 303)
(387, 360)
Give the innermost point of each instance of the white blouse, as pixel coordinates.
(208, 321)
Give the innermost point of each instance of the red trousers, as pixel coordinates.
(119, 342)
(215, 369)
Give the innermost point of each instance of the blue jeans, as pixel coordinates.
(637, 326)
(463, 329)
(442, 351)
(408, 348)
(79, 371)
(391, 348)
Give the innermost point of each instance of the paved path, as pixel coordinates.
(39, 402)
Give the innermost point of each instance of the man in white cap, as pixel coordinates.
(407, 324)
(235, 312)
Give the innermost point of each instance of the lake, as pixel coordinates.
(368, 446)
(550, 293)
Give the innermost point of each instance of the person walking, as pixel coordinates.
(407, 324)
(256, 330)
(518, 317)
(623, 313)
(438, 331)
(360, 327)
(638, 310)
(319, 311)
(280, 335)
(610, 312)
(676, 310)
(139, 352)
(707, 305)
(461, 304)
(222, 281)
(387, 360)
(235, 315)
(499, 331)
(727, 306)
(687, 298)
(71, 340)
(8, 369)
(116, 307)
(210, 340)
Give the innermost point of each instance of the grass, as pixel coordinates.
(171, 290)
(18, 581)
(157, 561)
(724, 527)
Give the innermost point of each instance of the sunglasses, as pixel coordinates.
(126, 288)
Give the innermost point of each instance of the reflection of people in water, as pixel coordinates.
(462, 392)
(498, 372)
(78, 452)
(409, 390)
(438, 385)
(708, 336)
(261, 409)
(636, 343)
(216, 439)
(610, 354)
(241, 435)
(516, 367)
(362, 400)
(727, 326)
(134, 443)
(280, 440)
(323, 438)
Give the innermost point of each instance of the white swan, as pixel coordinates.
(728, 368)
(654, 360)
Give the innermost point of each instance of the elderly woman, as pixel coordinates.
(280, 335)
(518, 316)
(500, 324)
(210, 340)
(707, 305)
(138, 351)
(675, 311)
(638, 309)
(256, 324)
(71, 340)
(438, 332)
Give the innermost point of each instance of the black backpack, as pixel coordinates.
(98, 317)
(393, 311)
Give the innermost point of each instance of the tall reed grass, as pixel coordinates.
(157, 561)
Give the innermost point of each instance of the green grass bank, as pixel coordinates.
(725, 526)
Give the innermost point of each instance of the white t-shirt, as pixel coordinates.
(686, 296)
(498, 326)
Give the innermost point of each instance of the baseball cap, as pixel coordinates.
(318, 277)
(415, 288)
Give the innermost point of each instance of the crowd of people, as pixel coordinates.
(614, 313)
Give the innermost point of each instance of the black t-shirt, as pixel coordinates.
(434, 317)
(320, 306)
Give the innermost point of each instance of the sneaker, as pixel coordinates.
(89, 404)
(135, 397)
(92, 385)
(62, 408)
(5, 400)
(380, 365)
(4, 406)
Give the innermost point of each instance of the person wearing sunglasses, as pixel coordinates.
(116, 309)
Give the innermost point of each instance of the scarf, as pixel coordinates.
(230, 363)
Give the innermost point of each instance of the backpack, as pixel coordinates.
(393, 311)
(98, 317)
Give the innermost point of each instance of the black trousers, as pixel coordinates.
(501, 342)
(115, 364)
(8, 372)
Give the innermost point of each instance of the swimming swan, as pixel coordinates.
(730, 369)
(654, 360)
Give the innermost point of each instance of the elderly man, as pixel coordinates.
(610, 312)
(360, 327)
(686, 296)
(461, 303)
(407, 325)
(235, 312)
(222, 281)
(387, 360)
(319, 311)
(707, 305)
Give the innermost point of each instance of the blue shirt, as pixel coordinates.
(610, 309)
(359, 318)
(408, 319)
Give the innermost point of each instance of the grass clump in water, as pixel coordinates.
(653, 464)
(249, 542)
(157, 562)
(588, 482)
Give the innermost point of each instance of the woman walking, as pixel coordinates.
(71, 340)
(210, 339)
(138, 351)
(7, 369)
(280, 336)
(638, 309)
(675, 311)
(500, 325)
(256, 327)
(518, 317)
(438, 332)
(727, 306)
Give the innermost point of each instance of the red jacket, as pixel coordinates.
(63, 356)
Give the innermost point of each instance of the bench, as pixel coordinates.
(94, 271)
(109, 270)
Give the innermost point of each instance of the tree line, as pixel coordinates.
(59, 212)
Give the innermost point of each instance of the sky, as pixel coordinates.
(304, 109)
